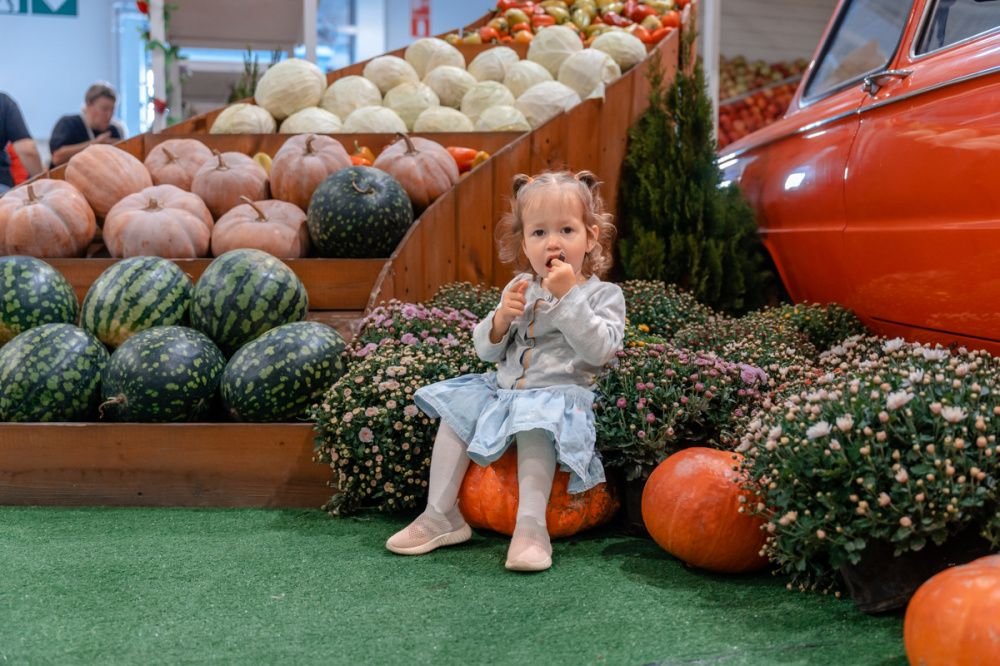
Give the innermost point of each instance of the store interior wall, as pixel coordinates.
(773, 31)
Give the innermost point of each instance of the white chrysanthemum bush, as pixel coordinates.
(893, 443)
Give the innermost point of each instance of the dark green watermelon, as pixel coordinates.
(278, 376)
(133, 295)
(243, 293)
(166, 373)
(358, 212)
(51, 372)
(32, 293)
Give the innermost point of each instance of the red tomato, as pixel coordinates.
(488, 35)
(671, 19)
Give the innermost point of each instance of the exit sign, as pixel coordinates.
(39, 7)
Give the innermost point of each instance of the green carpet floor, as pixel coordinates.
(173, 586)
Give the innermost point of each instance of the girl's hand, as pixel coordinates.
(560, 279)
(511, 307)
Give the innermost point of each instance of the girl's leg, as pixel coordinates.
(441, 523)
(530, 548)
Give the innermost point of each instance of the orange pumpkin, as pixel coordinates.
(302, 163)
(954, 618)
(424, 168)
(105, 175)
(46, 218)
(690, 506)
(222, 181)
(276, 227)
(488, 500)
(160, 221)
(176, 161)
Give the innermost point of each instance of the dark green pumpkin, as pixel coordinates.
(32, 293)
(358, 212)
(278, 376)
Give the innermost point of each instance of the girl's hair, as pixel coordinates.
(584, 186)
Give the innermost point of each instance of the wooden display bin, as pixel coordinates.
(143, 464)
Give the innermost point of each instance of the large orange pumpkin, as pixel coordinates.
(276, 227)
(690, 506)
(954, 618)
(302, 163)
(106, 175)
(46, 218)
(160, 221)
(424, 168)
(488, 500)
(176, 161)
(222, 181)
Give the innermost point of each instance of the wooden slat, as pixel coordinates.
(512, 160)
(475, 219)
(664, 57)
(406, 262)
(439, 247)
(582, 149)
(346, 322)
(548, 144)
(332, 284)
(197, 464)
(615, 114)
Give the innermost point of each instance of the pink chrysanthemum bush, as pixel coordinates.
(477, 299)
(894, 442)
(368, 429)
(657, 399)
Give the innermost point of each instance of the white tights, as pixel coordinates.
(536, 465)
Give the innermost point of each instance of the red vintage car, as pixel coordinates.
(880, 188)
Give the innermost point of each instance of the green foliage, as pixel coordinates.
(475, 298)
(247, 83)
(679, 225)
(824, 325)
(662, 308)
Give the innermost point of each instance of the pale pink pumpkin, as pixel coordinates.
(176, 161)
(302, 163)
(424, 168)
(160, 221)
(46, 218)
(105, 175)
(222, 181)
(276, 227)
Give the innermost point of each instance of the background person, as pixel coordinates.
(14, 131)
(94, 124)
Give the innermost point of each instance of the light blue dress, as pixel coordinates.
(547, 366)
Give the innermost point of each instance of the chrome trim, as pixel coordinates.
(928, 9)
(872, 83)
(846, 114)
(929, 89)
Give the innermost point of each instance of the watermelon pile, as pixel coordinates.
(247, 305)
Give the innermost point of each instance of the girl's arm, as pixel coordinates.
(489, 348)
(594, 327)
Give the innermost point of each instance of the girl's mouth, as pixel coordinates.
(561, 257)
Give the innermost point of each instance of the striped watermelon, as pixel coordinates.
(278, 376)
(133, 295)
(32, 293)
(51, 372)
(243, 293)
(359, 211)
(166, 373)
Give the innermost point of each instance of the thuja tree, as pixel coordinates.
(679, 225)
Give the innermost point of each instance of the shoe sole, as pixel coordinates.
(528, 566)
(460, 535)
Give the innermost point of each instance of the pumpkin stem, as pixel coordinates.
(170, 156)
(119, 399)
(153, 204)
(222, 163)
(261, 217)
(410, 148)
(309, 144)
(31, 194)
(354, 182)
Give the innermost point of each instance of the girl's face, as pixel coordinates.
(554, 226)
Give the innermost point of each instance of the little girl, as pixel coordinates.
(556, 325)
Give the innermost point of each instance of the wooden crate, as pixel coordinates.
(141, 464)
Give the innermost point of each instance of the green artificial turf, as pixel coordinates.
(140, 586)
